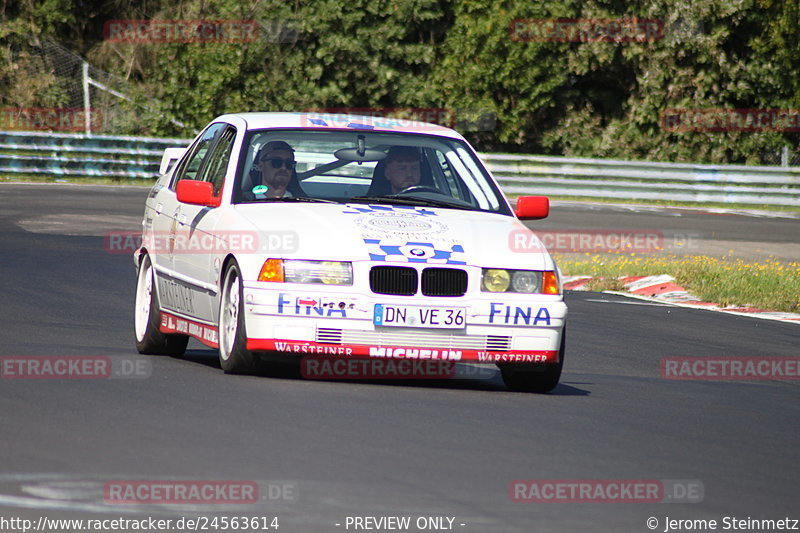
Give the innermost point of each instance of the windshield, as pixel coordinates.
(364, 167)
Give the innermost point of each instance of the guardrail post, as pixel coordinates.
(785, 156)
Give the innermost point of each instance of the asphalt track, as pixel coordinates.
(444, 448)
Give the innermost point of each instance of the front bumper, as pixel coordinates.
(326, 321)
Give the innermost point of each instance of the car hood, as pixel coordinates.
(412, 234)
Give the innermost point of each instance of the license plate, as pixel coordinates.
(420, 317)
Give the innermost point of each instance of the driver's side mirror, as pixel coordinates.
(197, 192)
(532, 207)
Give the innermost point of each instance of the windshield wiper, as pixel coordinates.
(406, 200)
(298, 199)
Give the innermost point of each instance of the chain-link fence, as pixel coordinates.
(785, 157)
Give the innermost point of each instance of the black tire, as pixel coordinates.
(147, 318)
(234, 358)
(535, 378)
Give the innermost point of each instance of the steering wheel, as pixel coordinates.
(420, 188)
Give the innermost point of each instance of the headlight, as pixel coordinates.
(336, 273)
(495, 280)
(301, 271)
(526, 281)
(520, 281)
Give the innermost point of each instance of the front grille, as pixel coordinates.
(329, 335)
(498, 343)
(444, 282)
(400, 281)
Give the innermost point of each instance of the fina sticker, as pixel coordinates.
(260, 189)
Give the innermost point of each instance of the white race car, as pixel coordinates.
(300, 234)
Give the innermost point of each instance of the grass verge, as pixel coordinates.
(769, 284)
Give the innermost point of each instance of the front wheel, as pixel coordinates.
(538, 378)
(234, 358)
(147, 318)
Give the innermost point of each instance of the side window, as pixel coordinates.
(217, 164)
(190, 166)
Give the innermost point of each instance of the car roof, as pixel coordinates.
(322, 120)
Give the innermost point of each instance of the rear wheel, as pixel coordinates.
(536, 378)
(147, 318)
(234, 358)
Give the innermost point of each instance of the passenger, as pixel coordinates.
(402, 168)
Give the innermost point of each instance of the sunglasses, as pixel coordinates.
(278, 162)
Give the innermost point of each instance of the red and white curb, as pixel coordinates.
(664, 289)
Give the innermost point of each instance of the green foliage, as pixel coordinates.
(708, 58)
(593, 99)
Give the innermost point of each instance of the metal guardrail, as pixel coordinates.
(73, 155)
(681, 182)
(89, 156)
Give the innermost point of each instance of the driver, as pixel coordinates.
(402, 168)
(276, 162)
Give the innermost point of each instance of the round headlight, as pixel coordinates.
(335, 273)
(496, 280)
(298, 271)
(525, 281)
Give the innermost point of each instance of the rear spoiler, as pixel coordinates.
(170, 157)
